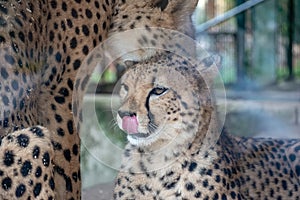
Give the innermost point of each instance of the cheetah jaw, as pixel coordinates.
(143, 141)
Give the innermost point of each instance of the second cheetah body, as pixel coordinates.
(42, 48)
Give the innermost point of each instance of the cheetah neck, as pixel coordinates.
(138, 160)
(155, 157)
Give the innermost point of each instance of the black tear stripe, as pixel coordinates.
(149, 114)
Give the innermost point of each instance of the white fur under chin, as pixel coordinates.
(143, 141)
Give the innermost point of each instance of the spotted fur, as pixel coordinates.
(177, 152)
(43, 45)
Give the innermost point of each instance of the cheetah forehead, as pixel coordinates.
(173, 71)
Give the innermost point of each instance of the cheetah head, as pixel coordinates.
(165, 100)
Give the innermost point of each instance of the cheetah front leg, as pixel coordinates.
(26, 168)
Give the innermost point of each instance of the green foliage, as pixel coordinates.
(108, 76)
(282, 72)
(109, 125)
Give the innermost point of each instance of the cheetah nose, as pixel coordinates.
(125, 113)
(129, 122)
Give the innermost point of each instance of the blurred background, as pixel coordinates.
(259, 41)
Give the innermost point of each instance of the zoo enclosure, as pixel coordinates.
(259, 40)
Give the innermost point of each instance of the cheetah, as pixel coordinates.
(175, 150)
(43, 45)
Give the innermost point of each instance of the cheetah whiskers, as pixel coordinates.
(152, 127)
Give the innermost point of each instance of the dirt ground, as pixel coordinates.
(98, 192)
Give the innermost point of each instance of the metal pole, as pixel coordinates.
(291, 24)
(225, 16)
(240, 45)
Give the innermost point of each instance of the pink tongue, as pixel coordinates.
(130, 124)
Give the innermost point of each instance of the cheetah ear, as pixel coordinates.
(177, 6)
(162, 4)
(181, 11)
(209, 67)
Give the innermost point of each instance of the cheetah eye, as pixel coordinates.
(158, 91)
(123, 90)
(130, 63)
